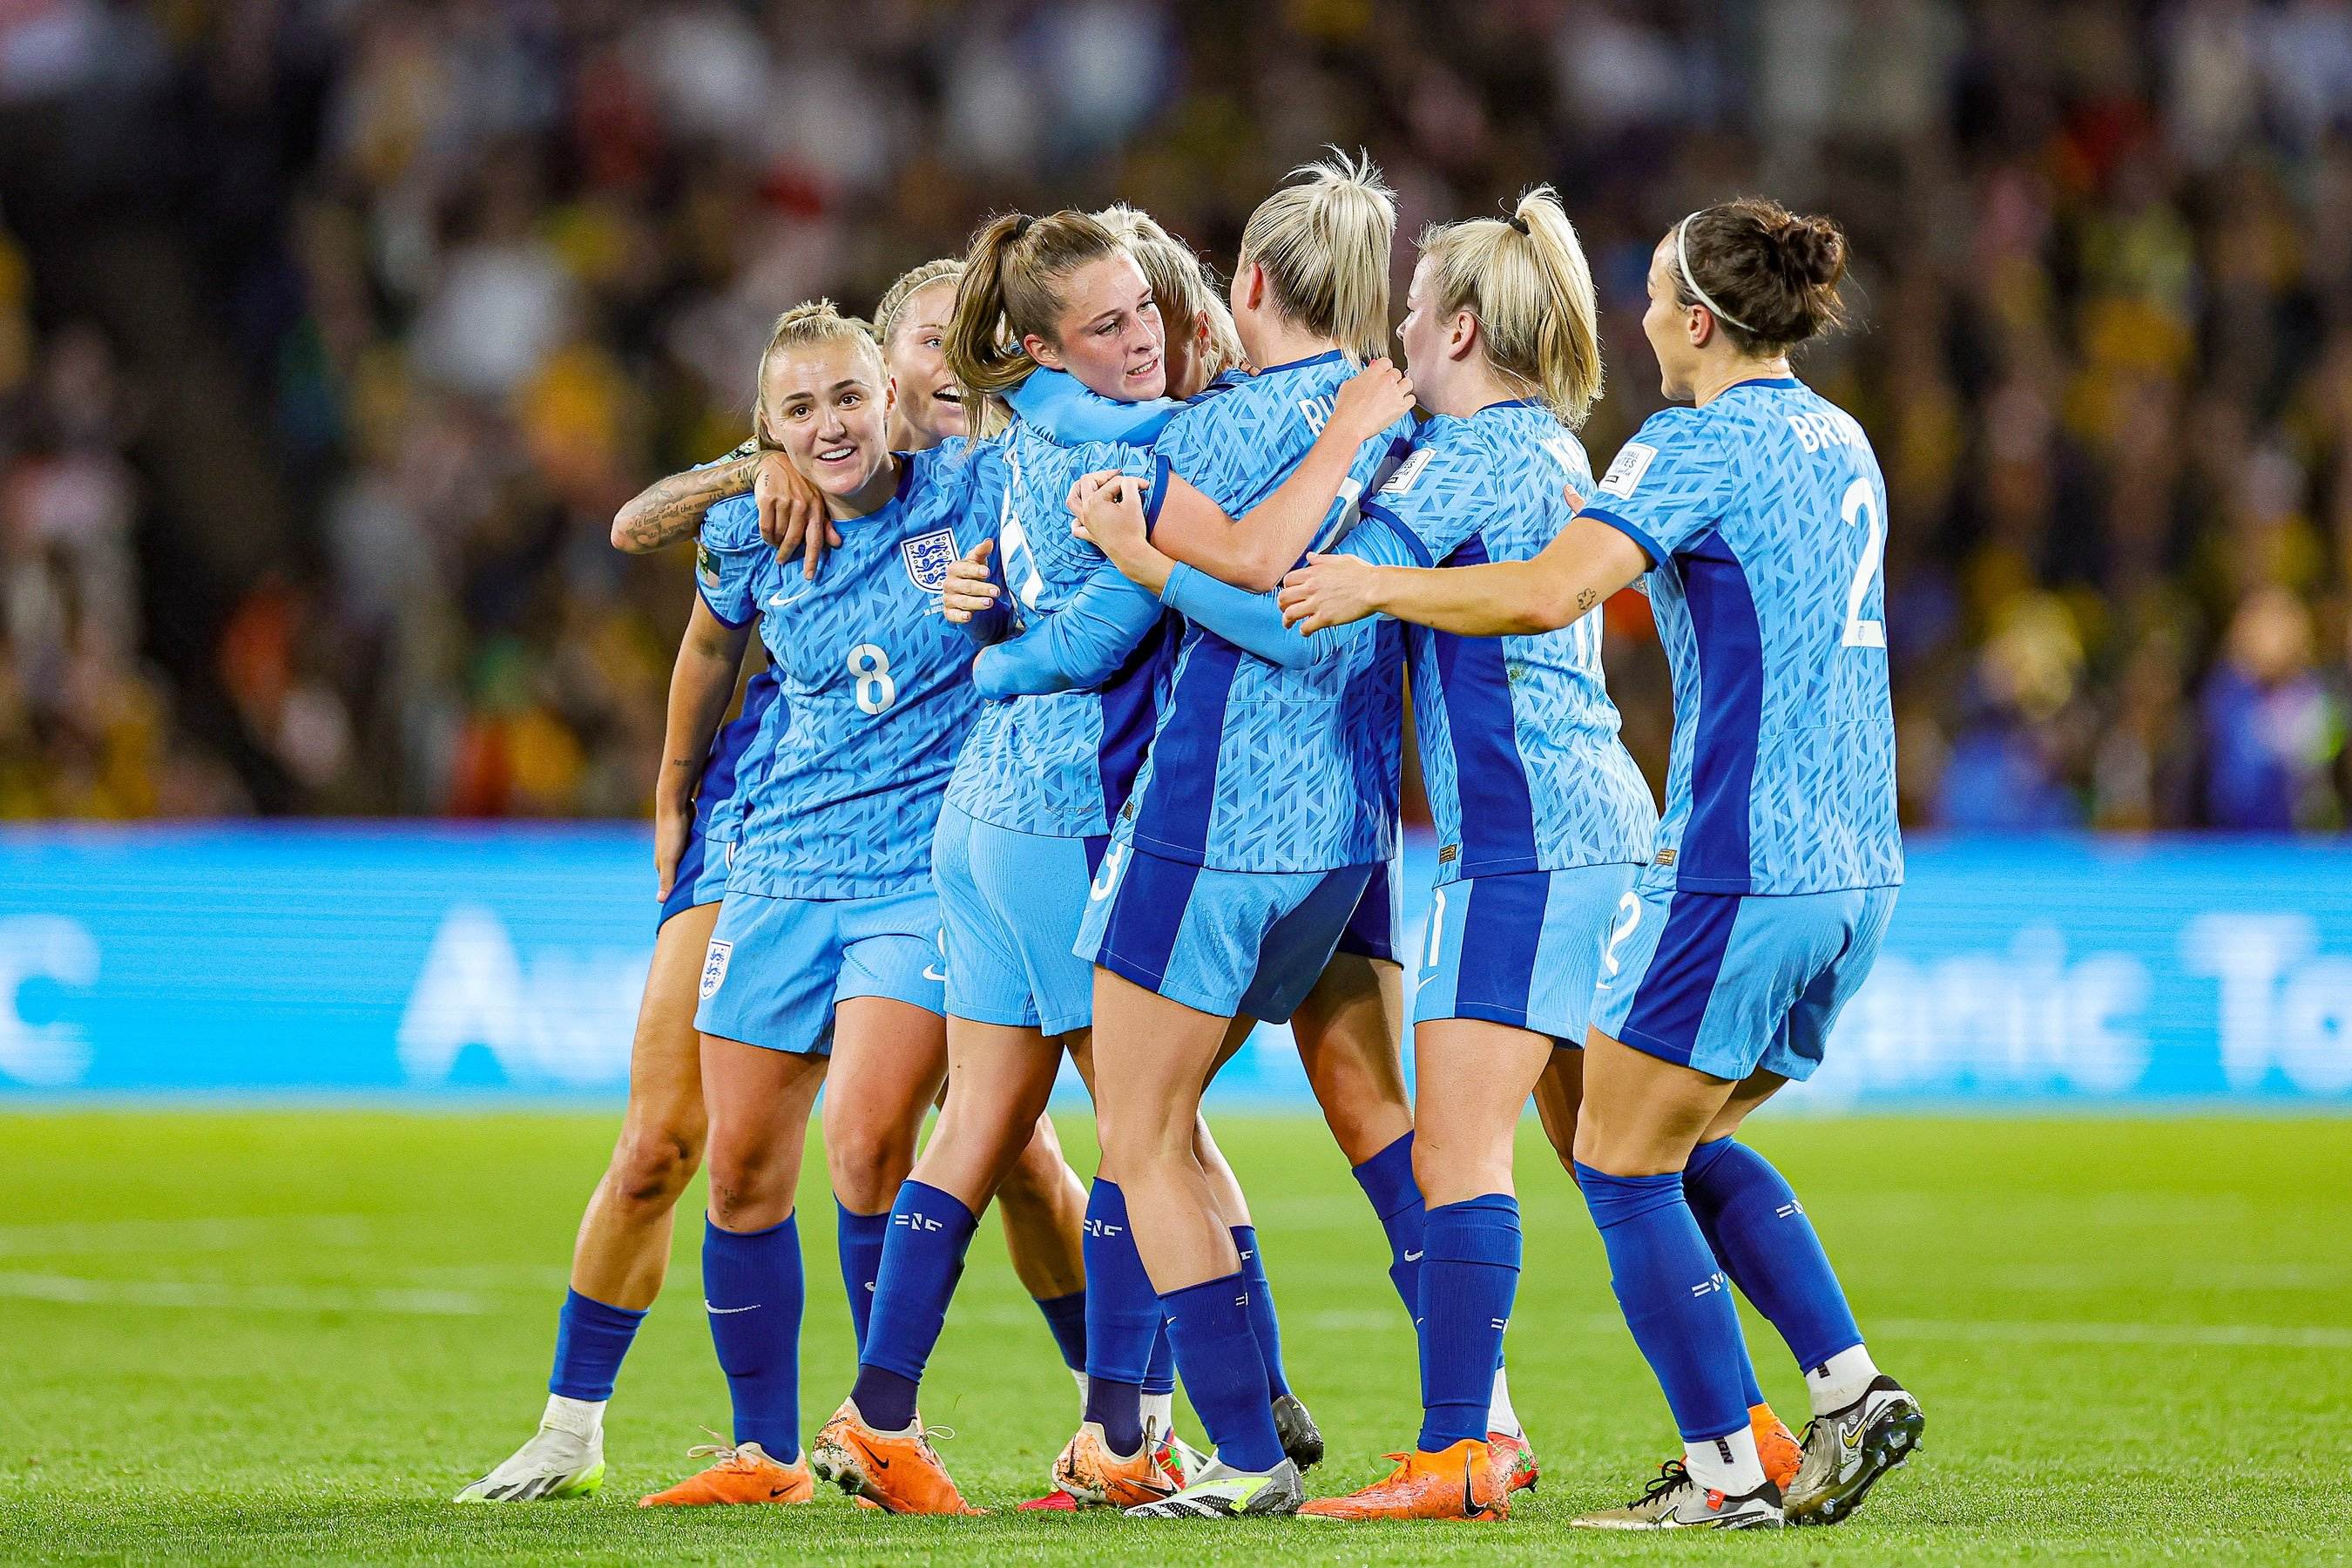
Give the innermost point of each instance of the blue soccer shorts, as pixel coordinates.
(701, 876)
(1230, 943)
(1522, 948)
(776, 967)
(1010, 902)
(1373, 930)
(1729, 982)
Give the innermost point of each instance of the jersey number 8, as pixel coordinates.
(871, 666)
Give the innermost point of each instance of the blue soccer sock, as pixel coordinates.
(1388, 1182)
(859, 1239)
(752, 1287)
(1769, 1247)
(1264, 1324)
(591, 1338)
(1160, 1373)
(922, 1258)
(1123, 1319)
(1468, 1285)
(1216, 1350)
(1065, 1317)
(1677, 1301)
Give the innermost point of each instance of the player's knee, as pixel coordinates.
(653, 1165)
(750, 1183)
(866, 1166)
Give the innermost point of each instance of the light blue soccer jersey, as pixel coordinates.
(1764, 517)
(1254, 767)
(1518, 737)
(1058, 764)
(841, 790)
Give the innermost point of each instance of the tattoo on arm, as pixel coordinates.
(669, 509)
(1585, 599)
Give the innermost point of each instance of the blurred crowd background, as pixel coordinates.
(333, 331)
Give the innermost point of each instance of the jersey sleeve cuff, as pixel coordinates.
(721, 617)
(1656, 552)
(1405, 536)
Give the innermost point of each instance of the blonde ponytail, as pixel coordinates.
(1323, 244)
(1526, 281)
(802, 326)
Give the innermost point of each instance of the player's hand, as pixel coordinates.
(968, 590)
(1575, 501)
(1329, 591)
(1110, 518)
(1084, 487)
(791, 512)
(1371, 400)
(673, 830)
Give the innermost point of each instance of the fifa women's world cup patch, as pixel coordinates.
(706, 565)
(714, 967)
(927, 557)
(1634, 460)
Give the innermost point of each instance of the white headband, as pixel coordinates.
(1682, 259)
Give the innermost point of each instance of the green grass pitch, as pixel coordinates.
(289, 1335)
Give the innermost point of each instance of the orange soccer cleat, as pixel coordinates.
(1461, 1482)
(1776, 1446)
(1096, 1477)
(739, 1474)
(1515, 1460)
(900, 1472)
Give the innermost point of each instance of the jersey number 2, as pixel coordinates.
(871, 666)
(1860, 505)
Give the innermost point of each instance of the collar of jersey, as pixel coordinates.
(1326, 357)
(1505, 403)
(906, 482)
(1776, 380)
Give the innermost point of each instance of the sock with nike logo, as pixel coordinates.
(1769, 1247)
(1122, 1319)
(922, 1258)
(1216, 1351)
(1675, 1299)
(1264, 1324)
(751, 1291)
(859, 1239)
(1467, 1284)
(1388, 1182)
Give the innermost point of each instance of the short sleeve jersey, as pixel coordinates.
(1518, 737)
(1058, 764)
(841, 789)
(1254, 767)
(1764, 519)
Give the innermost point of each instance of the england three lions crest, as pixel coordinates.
(927, 557)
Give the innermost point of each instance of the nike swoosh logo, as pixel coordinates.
(1469, 1496)
(775, 1492)
(1412, 1258)
(778, 601)
(724, 1311)
(938, 974)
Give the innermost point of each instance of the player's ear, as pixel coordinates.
(889, 395)
(1044, 352)
(1462, 336)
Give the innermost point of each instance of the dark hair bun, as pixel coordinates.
(1815, 249)
(1774, 273)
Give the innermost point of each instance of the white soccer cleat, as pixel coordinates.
(554, 1464)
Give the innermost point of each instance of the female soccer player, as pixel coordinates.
(623, 1249)
(1757, 516)
(1025, 819)
(1266, 801)
(826, 945)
